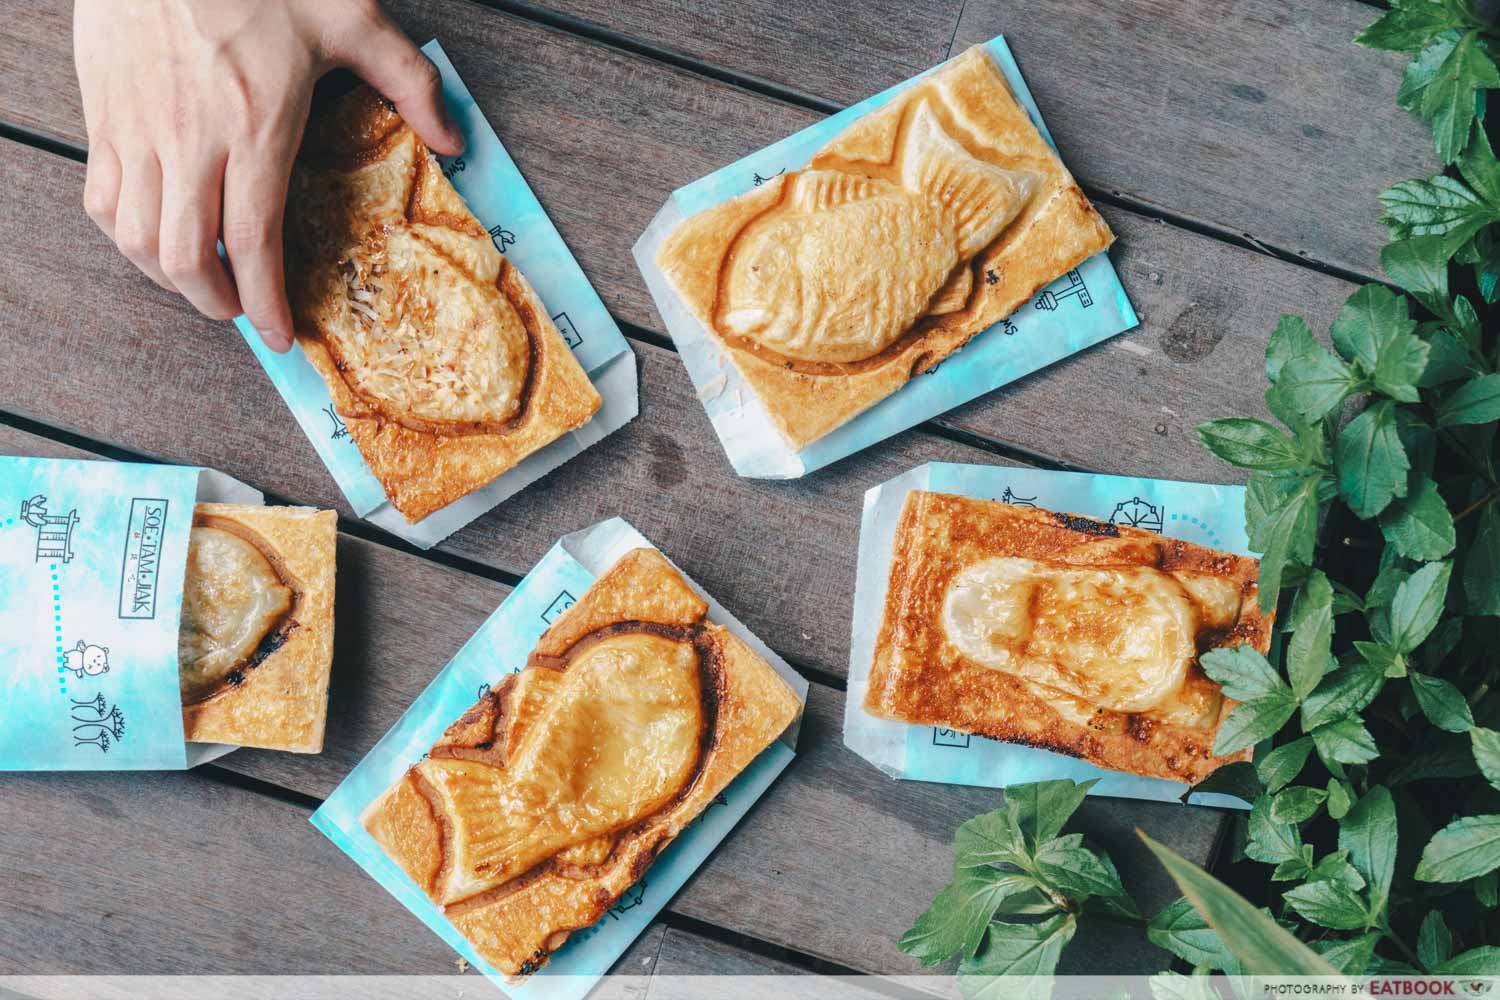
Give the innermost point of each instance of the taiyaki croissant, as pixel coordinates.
(851, 262)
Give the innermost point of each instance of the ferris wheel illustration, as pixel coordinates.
(1137, 513)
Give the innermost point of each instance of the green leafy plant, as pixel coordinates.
(1374, 501)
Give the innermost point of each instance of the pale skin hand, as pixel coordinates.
(195, 109)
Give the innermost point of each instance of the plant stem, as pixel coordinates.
(1411, 956)
(1476, 505)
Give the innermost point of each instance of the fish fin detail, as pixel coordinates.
(979, 198)
(822, 190)
(954, 295)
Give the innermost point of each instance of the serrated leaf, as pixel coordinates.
(1439, 206)
(1281, 765)
(1477, 401)
(1262, 947)
(1042, 808)
(1181, 929)
(1481, 961)
(1418, 605)
(1463, 849)
(1292, 338)
(1028, 952)
(1297, 804)
(1381, 657)
(1479, 167)
(1340, 799)
(1353, 955)
(1346, 741)
(1486, 746)
(1408, 27)
(1370, 461)
(1434, 940)
(1449, 100)
(1312, 385)
(1269, 840)
(1336, 866)
(1282, 520)
(1373, 315)
(1343, 692)
(991, 838)
(1238, 778)
(1441, 702)
(1249, 722)
(1076, 871)
(1250, 444)
(1444, 757)
(1309, 652)
(1482, 564)
(1448, 360)
(1242, 672)
(1420, 526)
(1420, 265)
(1329, 903)
(1369, 834)
(1420, 71)
(956, 921)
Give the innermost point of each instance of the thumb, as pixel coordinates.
(387, 60)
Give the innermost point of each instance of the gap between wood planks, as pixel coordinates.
(610, 38)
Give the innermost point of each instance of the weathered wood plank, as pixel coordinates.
(91, 349)
(1259, 118)
(835, 861)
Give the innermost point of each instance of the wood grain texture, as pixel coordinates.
(835, 861)
(1259, 118)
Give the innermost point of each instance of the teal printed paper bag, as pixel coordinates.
(1212, 516)
(93, 556)
(498, 195)
(500, 647)
(1085, 306)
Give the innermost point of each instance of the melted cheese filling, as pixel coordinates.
(1088, 638)
(615, 741)
(232, 598)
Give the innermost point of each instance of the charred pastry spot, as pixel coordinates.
(536, 961)
(1140, 727)
(1086, 525)
(235, 678)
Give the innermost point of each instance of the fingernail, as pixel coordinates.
(277, 341)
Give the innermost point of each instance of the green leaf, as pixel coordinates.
(991, 838)
(955, 922)
(1249, 722)
(1477, 401)
(1418, 605)
(1441, 702)
(1281, 765)
(1487, 890)
(1420, 265)
(1329, 903)
(1370, 317)
(1262, 947)
(1421, 71)
(1481, 961)
(1408, 27)
(1076, 871)
(1345, 691)
(1420, 526)
(1042, 808)
(1336, 866)
(1434, 940)
(1340, 798)
(1297, 804)
(1368, 833)
(1480, 168)
(1450, 97)
(1486, 745)
(1439, 206)
(1181, 929)
(1250, 444)
(1352, 956)
(1029, 951)
(1482, 564)
(1238, 778)
(1382, 658)
(1282, 518)
(1313, 384)
(1242, 672)
(1461, 850)
(1346, 741)
(1292, 338)
(1370, 461)
(1448, 361)
(1271, 841)
(1309, 652)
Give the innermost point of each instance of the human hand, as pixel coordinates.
(195, 109)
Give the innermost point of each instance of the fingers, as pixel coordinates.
(188, 254)
(386, 59)
(101, 186)
(255, 182)
(137, 223)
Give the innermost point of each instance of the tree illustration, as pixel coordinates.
(100, 739)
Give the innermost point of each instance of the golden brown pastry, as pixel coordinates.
(255, 637)
(440, 358)
(922, 224)
(1061, 632)
(551, 796)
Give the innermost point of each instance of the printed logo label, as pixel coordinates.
(141, 566)
(560, 603)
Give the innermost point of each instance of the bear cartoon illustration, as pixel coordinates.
(87, 659)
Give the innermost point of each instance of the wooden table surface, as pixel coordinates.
(1236, 149)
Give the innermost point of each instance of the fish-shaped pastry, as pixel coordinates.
(920, 225)
(852, 262)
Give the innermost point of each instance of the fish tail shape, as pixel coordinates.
(979, 199)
